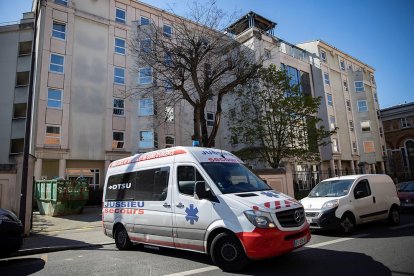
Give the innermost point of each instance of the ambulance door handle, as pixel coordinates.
(180, 205)
(166, 205)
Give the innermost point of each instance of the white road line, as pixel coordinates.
(194, 271)
(402, 226)
(317, 245)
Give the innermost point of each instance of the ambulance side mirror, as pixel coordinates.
(200, 190)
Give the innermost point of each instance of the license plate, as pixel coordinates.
(300, 242)
(407, 204)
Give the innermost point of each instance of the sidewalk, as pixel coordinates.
(67, 232)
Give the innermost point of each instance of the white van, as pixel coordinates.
(202, 200)
(346, 201)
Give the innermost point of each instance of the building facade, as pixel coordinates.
(350, 105)
(399, 136)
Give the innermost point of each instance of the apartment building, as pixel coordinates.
(398, 124)
(350, 104)
(15, 69)
(84, 119)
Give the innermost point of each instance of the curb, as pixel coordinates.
(49, 249)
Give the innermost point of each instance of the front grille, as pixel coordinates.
(312, 214)
(291, 218)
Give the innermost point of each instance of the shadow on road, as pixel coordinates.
(23, 266)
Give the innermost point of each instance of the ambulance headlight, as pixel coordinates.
(260, 219)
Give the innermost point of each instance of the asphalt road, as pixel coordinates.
(374, 249)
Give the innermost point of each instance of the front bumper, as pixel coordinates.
(266, 243)
(325, 219)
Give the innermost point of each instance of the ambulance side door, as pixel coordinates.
(191, 216)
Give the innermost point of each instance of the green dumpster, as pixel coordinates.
(61, 197)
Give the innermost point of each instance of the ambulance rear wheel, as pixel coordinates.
(122, 240)
(227, 253)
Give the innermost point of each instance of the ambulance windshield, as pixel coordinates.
(234, 178)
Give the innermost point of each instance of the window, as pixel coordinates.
(381, 131)
(362, 189)
(146, 139)
(329, 98)
(342, 65)
(335, 146)
(62, 2)
(267, 54)
(22, 78)
(365, 125)
(351, 125)
(145, 45)
(354, 147)
(332, 122)
(117, 140)
(326, 78)
(169, 114)
(375, 97)
(210, 119)
(25, 48)
(118, 107)
(169, 141)
(146, 107)
(405, 122)
(187, 176)
(167, 30)
(359, 86)
(144, 185)
(120, 16)
(372, 78)
(145, 75)
(52, 135)
(17, 145)
(56, 63)
(168, 59)
(323, 55)
(59, 30)
(144, 21)
(369, 146)
(362, 106)
(119, 75)
(168, 86)
(19, 110)
(119, 45)
(348, 105)
(384, 150)
(54, 98)
(345, 85)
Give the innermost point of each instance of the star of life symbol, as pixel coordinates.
(270, 194)
(191, 214)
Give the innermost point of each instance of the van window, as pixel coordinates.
(362, 189)
(145, 185)
(187, 177)
(332, 188)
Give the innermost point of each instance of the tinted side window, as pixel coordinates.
(362, 189)
(186, 179)
(146, 185)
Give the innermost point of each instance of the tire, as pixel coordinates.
(122, 240)
(227, 253)
(394, 216)
(347, 223)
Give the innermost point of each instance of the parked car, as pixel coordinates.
(346, 201)
(406, 195)
(11, 232)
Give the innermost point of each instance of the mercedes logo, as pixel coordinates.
(297, 216)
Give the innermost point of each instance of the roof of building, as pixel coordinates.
(243, 23)
(399, 106)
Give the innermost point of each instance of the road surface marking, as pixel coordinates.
(402, 226)
(194, 271)
(317, 245)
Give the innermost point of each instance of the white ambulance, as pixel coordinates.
(203, 200)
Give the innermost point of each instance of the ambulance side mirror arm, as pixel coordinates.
(200, 190)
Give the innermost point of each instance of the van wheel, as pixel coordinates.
(122, 240)
(227, 253)
(394, 216)
(347, 224)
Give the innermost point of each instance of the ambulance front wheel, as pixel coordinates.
(122, 240)
(227, 253)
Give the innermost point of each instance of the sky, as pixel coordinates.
(379, 33)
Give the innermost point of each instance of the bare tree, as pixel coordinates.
(191, 60)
